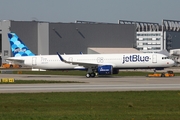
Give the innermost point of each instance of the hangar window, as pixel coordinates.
(156, 48)
(6, 53)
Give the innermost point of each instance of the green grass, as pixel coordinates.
(37, 81)
(146, 105)
(71, 72)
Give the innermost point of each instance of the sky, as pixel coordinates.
(109, 11)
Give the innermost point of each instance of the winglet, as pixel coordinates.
(61, 58)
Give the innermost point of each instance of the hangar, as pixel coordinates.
(70, 38)
(154, 37)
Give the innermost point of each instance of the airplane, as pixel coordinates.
(101, 64)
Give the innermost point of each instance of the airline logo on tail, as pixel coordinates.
(18, 48)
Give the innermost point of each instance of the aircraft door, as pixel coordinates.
(154, 58)
(34, 61)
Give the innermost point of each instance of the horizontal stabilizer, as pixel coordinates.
(18, 61)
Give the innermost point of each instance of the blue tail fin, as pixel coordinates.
(18, 48)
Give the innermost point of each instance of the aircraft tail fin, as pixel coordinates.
(18, 48)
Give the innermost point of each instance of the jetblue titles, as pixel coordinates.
(135, 58)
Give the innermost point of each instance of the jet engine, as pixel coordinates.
(107, 70)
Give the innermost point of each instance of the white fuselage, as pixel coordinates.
(120, 61)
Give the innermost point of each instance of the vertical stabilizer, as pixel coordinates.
(18, 48)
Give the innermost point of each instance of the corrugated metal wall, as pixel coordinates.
(72, 37)
(75, 37)
(28, 33)
(174, 37)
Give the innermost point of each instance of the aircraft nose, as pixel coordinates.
(175, 63)
(172, 62)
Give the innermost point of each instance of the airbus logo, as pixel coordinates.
(135, 58)
(104, 69)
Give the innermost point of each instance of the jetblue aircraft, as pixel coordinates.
(102, 64)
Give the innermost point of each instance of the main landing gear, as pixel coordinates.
(91, 72)
(88, 75)
(154, 70)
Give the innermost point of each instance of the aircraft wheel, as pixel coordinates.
(162, 75)
(93, 74)
(11, 66)
(88, 75)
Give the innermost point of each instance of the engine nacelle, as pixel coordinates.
(105, 70)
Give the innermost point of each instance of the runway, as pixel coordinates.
(115, 83)
(83, 88)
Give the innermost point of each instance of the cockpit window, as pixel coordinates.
(165, 58)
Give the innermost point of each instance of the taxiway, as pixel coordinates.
(115, 83)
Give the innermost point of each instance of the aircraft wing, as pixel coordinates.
(85, 64)
(82, 64)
